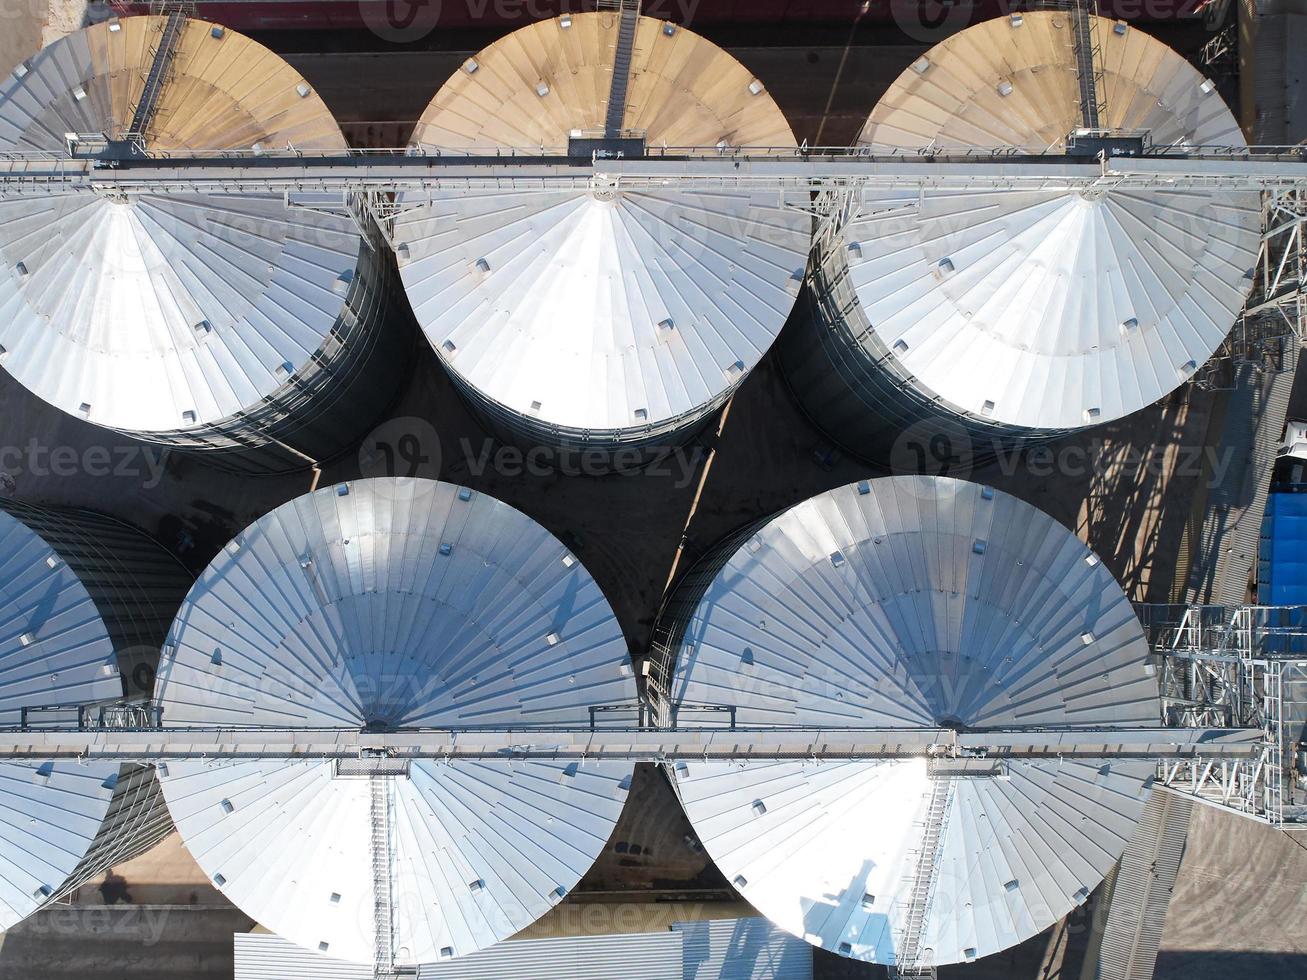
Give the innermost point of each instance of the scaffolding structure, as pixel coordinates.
(1273, 324)
(1247, 667)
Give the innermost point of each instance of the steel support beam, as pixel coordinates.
(649, 745)
(361, 172)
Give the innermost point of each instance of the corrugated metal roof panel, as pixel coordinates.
(915, 601)
(720, 949)
(742, 949)
(1226, 550)
(1282, 560)
(263, 956)
(641, 956)
(636, 956)
(1141, 893)
(345, 608)
(602, 310)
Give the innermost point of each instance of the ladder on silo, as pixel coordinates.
(1089, 62)
(160, 73)
(383, 918)
(908, 956)
(629, 13)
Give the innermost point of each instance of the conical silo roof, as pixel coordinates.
(1046, 309)
(913, 602)
(153, 313)
(603, 311)
(395, 604)
(55, 654)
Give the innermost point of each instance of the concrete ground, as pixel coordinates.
(123, 942)
(1239, 908)
(28, 25)
(164, 875)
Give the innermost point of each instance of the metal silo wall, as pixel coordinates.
(526, 431)
(335, 399)
(853, 388)
(136, 821)
(136, 585)
(678, 609)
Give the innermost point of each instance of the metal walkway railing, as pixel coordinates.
(647, 745)
(629, 12)
(1089, 62)
(382, 917)
(160, 73)
(909, 955)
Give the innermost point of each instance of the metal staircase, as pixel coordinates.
(1089, 62)
(629, 12)
(909, 956)
(160, 73)
(383, 915)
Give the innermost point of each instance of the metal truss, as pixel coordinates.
(945, 747)
(91, 166)
(372, 187)
(1273, 324)
(1236, 667)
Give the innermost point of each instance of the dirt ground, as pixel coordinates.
(21, 26)
(26, 26)
(1237, 909)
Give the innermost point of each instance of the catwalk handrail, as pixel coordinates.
(229, 172)
(933, 151)
(651, 745)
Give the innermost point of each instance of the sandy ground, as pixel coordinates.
(21, 26)
(164, 875)
(62, 18)
(1239, 903)
(26, 26)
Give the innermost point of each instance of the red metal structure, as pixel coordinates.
(403, 16)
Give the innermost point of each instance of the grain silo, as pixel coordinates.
(384, 605)
(999, 317)
(603, 317)
(82, 596)
(913, 602)
(198, 321)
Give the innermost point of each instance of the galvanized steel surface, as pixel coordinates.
(716, 949)
(395, 603)
(611, 312)
(54, 650)
(913, 600)
(1019, 313)
(550, 80)
(601, 315)
(171, 315)
(742, 949)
